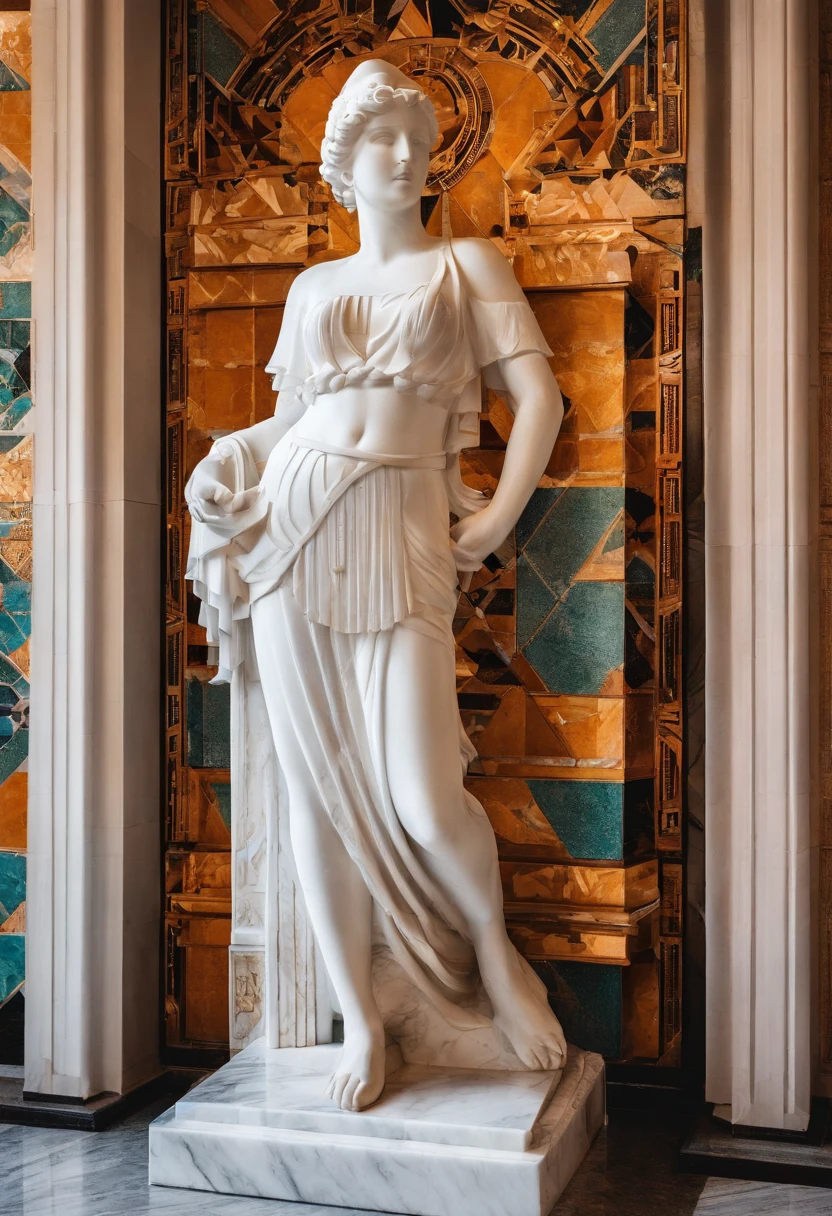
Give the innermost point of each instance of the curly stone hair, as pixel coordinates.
(367, 92)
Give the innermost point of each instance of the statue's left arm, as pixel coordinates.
(528, 385)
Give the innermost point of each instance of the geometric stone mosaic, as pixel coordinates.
(563, 143)
(16, 454)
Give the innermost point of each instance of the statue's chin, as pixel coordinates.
(399, 196)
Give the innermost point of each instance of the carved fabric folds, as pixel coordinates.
(340, 547)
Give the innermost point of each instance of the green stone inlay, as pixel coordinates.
(14, 222)
(571, 530)
(616, 30)
(12, 964)
(222, 791)
(538, 505)
(209, 724)
(13, 752)
(221, 54)
(16, 411)
(587, 999)
(582, 642)
(588, 816)
(534, 601)
(11, 81)
(12, 883)
(15, 300)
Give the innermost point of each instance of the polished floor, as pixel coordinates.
(629, 1172)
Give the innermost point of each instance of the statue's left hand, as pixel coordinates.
(474, 537)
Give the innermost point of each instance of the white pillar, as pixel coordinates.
(757, 492)
(94, 905)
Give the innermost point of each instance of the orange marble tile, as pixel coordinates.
(307, 110)
(502, 78)
(226, 288)
(640, 1037)
(482, 195)
(600, 886)
(16, 125)
(528, 108)
(514, 814)
(13, 804)
(247, 18)
(576, 263)
(16, 43)
(16, 472)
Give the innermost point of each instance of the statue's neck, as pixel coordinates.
(386, 235)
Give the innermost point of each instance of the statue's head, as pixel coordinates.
(379, 136)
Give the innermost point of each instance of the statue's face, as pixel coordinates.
(390, 160)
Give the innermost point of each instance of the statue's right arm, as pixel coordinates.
(211, 493)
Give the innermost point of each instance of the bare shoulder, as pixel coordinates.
(486, 272)
(313, 282)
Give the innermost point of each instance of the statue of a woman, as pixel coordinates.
(340, 552)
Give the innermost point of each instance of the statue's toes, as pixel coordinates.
(341, 1082)
(367, 1093)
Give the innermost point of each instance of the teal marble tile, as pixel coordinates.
(16, 411)
(12, 964)
(615, 540)
(588, 816)
(587, 998)
(14, 222)
(582, 641)
(12, 384)
(540, 503)
(222, 789)
(17, 596)
(534, 601)
(10, 676)
(570, 531)
(616, 29)
(15, 300)
(12, 753)
(11, 81)
(12, 883)
(11, 634)
(209, 724)
(221, 54)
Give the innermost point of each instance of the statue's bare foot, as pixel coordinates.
(529, 1025)
(359, 1078)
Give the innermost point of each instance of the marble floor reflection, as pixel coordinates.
(629, 1172)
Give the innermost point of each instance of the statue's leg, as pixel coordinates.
(453, 835)
(337, 899)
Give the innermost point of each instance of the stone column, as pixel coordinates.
(92, 1014)
(757, 216)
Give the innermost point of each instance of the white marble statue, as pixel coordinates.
(328, 526)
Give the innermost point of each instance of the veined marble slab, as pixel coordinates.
(284, 1088)
(353, 1160)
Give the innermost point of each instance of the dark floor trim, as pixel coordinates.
(713, 1148)
(38, 1110)
(670, 1099)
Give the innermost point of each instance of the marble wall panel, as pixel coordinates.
(562, 141)
(15, 510)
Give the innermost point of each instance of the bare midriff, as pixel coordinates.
(376, 419)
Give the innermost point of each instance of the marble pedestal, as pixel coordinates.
(441, 1142)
